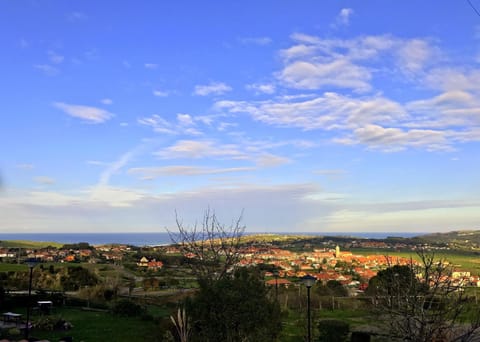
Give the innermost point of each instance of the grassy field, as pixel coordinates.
(101, 326)
(462, 260)
(28, 244)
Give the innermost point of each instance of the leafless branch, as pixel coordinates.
(213, 248)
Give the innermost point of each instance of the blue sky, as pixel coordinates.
(334, 116)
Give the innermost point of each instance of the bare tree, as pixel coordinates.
(212, 247)
(423, 302)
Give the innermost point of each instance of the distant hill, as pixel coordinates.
(28, 244)
(459, 238)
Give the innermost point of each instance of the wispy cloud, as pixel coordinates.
(151, 66)
(148, 173)
(343, 18)
(214, 88)
(330, 172)
(185, 124)
(330, 111)
(201, 149)
(54, 57)
(270, 160)
(25, 166)
(339, 73)
(89, 114)
(262, 41)
(106, 101)
(160, 93)
(47, 69)
(261, 88)
(44, 180)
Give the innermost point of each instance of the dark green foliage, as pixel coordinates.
(127, 308)
(332, 330)
(394, 280)
(360, 336)
(108, 294)
(77, 246)
(234, 309)
(332, 288)
(77, 277)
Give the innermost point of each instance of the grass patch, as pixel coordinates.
(28, 244)
(464, 260)
(101, 326)
(13, 267)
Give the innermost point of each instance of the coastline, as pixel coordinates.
(163, 238)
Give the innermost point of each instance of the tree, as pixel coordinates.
(232, 303)
(234, 309)
(422, 302)
(213, 248)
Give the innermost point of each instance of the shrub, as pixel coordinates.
(332, 330)
(127, 308)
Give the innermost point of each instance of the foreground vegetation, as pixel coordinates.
(118, 300)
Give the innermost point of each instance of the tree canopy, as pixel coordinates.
(234, 309)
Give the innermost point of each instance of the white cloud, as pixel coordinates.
(452, 108)
(270, 160)
(158, 124)
(115, 197)
(89, 114)
(259, 88)
(201, 149)
(148, 173)
(453, 79)
(215, 88)
(184, 125)
(44, 180)
(395, 139)
(413, 54)
(160, 93)
(343, 18)
(106, 101)
(338, 73)
(47, 69)
(185, 119)
(330, 111)
(256, 40)
(96, 162)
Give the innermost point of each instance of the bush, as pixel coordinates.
(333, 330)
(127, 308)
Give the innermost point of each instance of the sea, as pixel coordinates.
(163, 238)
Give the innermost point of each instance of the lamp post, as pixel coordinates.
(308, 281)
(31, 264)
(275, 274)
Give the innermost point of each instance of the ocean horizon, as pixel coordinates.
(163, 238)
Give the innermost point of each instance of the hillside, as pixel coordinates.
(461, 239)
(28, 244)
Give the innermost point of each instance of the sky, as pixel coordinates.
(311, 116)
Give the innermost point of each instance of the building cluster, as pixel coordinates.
(351, 270)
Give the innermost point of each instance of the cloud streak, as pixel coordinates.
(86, 113)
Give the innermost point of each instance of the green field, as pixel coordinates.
(28, 244)
(461, 260)
(101, 326)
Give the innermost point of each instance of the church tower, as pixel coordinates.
(337, 252)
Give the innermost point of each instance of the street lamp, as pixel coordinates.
(275, 274)
(31, 264)
(308, 281)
